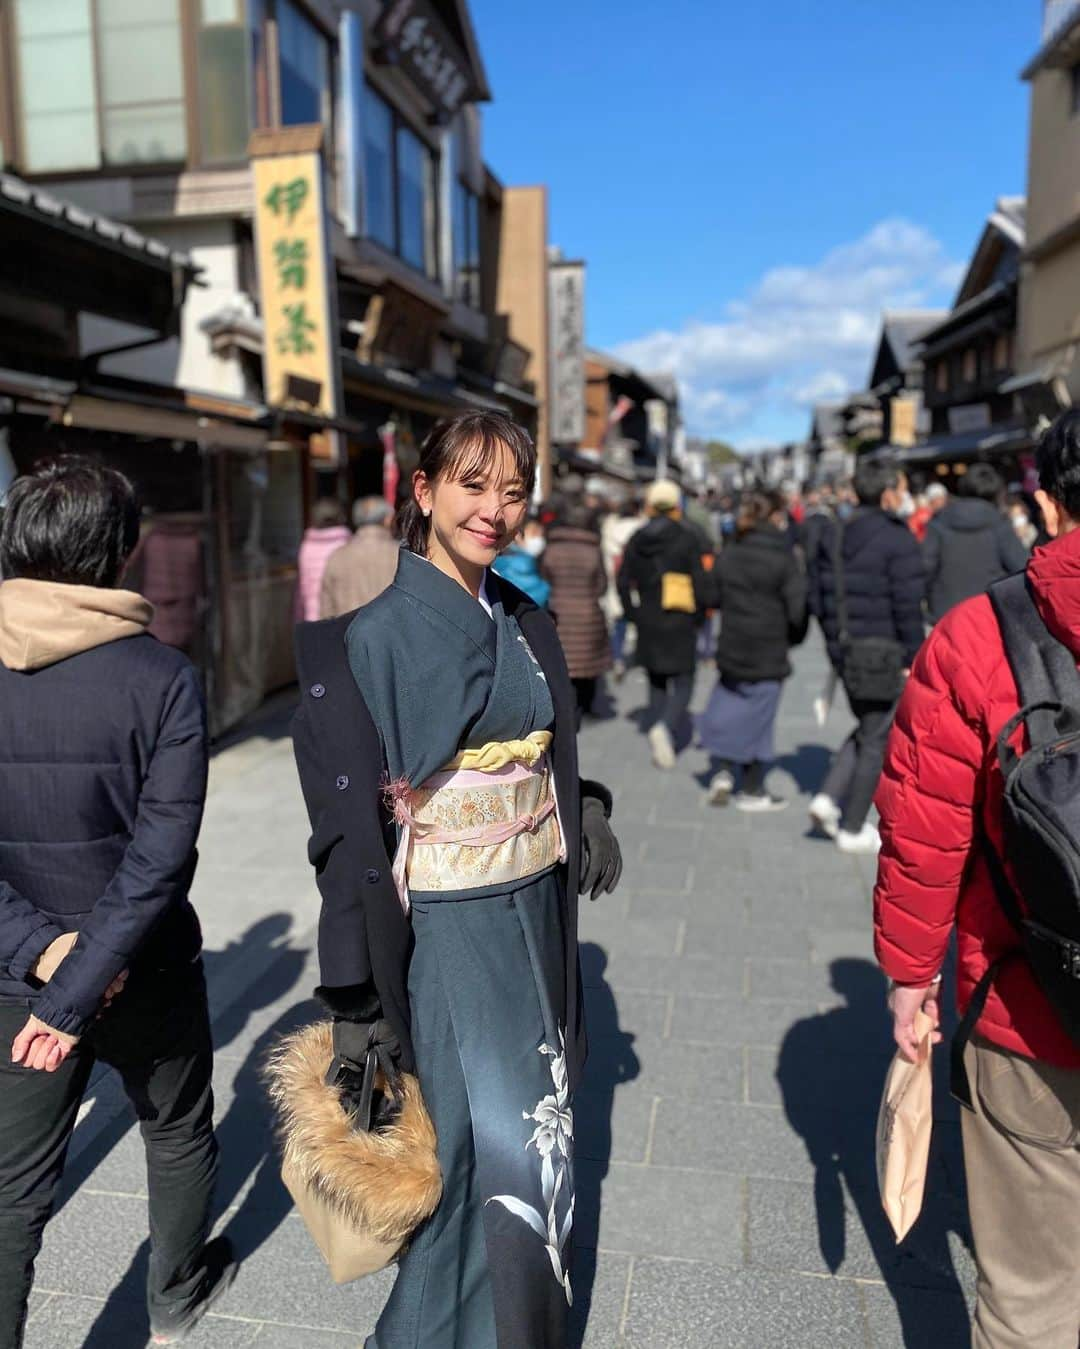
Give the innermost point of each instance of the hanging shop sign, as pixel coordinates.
(969, 417)
(566, 303)
(300, 349)
(904, 420)
(411, 34)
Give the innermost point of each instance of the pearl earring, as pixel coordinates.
(426, 514)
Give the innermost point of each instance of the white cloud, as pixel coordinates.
(801, 334)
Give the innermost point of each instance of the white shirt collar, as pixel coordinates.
(485, 594)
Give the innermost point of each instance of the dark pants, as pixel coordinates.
(585, 695)
(669, 699)
(853, 778)
(753, 774)
(157, 1036)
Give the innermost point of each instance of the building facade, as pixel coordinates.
(1049, 334)
(150, 114)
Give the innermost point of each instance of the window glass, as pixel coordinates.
(378, 170)
(56, 67)
(141, 81)
(416, 202)
(304, 68)
(224, 95)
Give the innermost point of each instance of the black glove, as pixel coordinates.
(349, 1071)
(601, 859)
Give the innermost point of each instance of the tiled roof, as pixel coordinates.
(37, 201)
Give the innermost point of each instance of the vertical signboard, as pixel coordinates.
(566, 307)
(301, 362)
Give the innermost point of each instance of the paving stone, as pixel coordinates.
(611, 1012)
(664, 846)
(742, 1140)
(637, 936)
(817, 1228)
(792, 981)
(598, 1280)
(707, 940)
(698, 904)
(72, 1322)
(916, 1316)
(611, 1125)
(675, 1305)
(686, 1071)
(830, 1083)
(629, 970)
(671, 875)
(651, 1210)
(843, 943)
(728, 1020)
(271, 1336)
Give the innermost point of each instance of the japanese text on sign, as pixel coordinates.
(293, 281)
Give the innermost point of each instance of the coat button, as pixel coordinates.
(317, 691)
(341, 783)
(371, 876)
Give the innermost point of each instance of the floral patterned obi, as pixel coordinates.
(489, 818)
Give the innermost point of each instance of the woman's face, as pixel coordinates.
(474, 518)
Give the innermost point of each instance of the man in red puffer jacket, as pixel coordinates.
(941, 785)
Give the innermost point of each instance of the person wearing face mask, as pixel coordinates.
(866, 591)
(1020, 518)
(520, 563)
(970, 544)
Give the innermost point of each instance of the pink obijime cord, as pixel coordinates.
(398, 795)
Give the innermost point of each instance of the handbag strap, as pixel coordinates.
(342, 1073)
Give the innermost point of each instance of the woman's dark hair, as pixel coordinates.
(983, 482)
(1057, 457)
(755, 508)
(326, 513)
(459, 448)
(70, 520)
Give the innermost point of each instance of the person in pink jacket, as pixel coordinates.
(326, 533)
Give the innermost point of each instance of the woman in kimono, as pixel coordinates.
(436, 748)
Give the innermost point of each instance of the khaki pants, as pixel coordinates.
(1022, 1162)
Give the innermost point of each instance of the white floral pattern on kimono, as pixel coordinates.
(553, 1139)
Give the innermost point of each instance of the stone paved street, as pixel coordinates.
(725, 1136)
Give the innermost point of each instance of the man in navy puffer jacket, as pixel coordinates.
(104, 760)
(884, 585)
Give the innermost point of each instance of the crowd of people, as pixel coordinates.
(464, 640)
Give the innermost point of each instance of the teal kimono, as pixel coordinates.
(486, 986)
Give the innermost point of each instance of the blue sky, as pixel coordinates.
(751, 184)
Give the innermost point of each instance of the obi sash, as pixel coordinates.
(489, 818)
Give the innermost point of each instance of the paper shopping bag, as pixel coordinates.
(904, 1125)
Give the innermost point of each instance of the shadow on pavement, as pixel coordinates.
(831, 1071)
(807, 765)
(611, 1062)
(269, 721)
(244, 1134)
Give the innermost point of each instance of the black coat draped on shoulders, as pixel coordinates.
(365, 939)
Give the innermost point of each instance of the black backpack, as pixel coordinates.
(1042, 817)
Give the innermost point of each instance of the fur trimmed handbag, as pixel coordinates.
(361, 1189)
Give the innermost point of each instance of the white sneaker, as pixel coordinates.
(825, 815)
(867, 840)
(720, 788)
(758, 802)
(663, 751)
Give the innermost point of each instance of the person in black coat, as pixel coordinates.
(884, 582)
(103, 743)
(759, 587)
(970, 544)
(661, 588)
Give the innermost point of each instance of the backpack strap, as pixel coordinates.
(1044, 668)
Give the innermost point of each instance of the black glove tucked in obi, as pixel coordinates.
(601, 858)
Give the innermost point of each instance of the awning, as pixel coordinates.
(1001, 440)
(158, 422)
